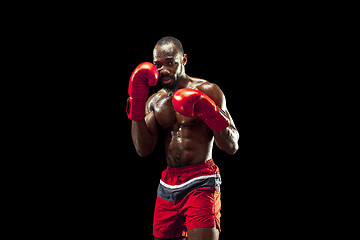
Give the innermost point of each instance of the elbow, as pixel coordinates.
(233, 150)
(142, 153)
(230, 149)
(234, 147)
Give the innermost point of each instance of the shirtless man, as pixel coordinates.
(191, 113)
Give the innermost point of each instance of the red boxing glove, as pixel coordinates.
(191, 102)
(144, 75)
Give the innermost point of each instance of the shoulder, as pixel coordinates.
(213, 91)
(206, 86)
(153, 99)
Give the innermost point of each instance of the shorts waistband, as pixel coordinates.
(195, 167)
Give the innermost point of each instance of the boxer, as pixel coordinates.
(191, 114)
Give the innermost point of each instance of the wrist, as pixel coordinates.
(219, 121)
(135, 109)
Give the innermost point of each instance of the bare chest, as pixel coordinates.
(166, 115)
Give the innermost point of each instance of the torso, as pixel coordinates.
(188, 141)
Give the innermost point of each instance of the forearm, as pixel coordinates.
(227, 140)
(142, 138)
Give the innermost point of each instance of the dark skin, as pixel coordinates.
(188, 141)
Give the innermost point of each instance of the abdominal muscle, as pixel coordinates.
(188, 141)
(188, 145)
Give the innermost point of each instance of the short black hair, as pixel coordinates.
(168, 39)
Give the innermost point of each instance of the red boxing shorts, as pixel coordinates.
(187, 198)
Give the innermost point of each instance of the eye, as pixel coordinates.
(171, 63)
(157, 65)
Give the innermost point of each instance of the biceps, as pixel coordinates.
(152, 125)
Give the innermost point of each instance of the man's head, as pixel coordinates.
(169, 58)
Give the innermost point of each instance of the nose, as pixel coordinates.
(164, 71)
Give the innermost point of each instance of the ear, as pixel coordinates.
(184, 59)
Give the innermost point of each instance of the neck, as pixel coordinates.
(183, 82)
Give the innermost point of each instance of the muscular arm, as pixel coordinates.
(227, 140)
(144, 133)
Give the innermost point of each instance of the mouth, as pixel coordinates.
(166, 80)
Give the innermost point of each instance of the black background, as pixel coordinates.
(121, 184)
(94, 181)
